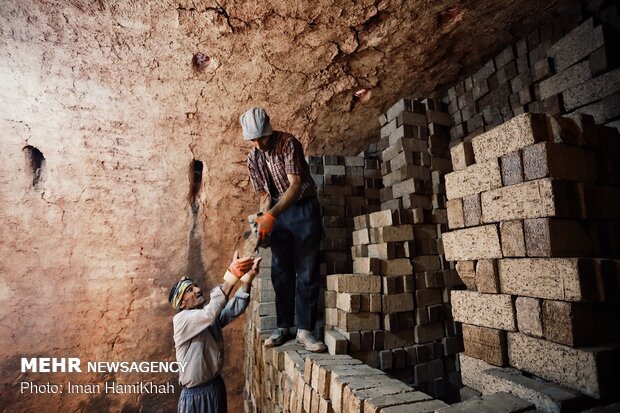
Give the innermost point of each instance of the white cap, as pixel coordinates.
(255, 123)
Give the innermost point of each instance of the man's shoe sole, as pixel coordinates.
(275, 343)
(321, 349)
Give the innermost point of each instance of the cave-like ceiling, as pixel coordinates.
(329, 68)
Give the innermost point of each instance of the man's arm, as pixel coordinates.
(290, 195)
(189, 323)
(240, 301)
(265, 201)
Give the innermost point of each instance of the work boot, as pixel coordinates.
(277, 338)
(306, 338)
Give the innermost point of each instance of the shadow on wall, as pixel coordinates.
(195, 264)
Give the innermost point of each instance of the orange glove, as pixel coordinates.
(240, 266)
(249, 276)
(265, 225)
(237, 268)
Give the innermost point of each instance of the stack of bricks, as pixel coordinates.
(405, 160)
(542, 73)
(394, 310)
(347, 186)
(534, 205)
(260, 322)
(372, 177)
(294, 380)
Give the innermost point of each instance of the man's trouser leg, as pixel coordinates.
(283, 271)
(307, 230)
(210, 397)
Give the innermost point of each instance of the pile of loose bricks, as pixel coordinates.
(534, 206)
(393, 311)
(546, 72)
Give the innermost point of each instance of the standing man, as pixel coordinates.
(291, 216)
(198, 335)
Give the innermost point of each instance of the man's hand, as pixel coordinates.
(237, 268)
(265, 224)
(249, 276)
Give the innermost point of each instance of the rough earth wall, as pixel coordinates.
(107, 93)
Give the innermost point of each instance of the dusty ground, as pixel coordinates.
(107, 92)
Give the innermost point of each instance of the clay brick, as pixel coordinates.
(467, 273)
(397, 303)
(484, 310)
(566, 279)
(580, 324)
(354, 283)
(552, 237)
(361, 237)
(513, 240)
(591, 90)
(474, 179)
(398, 107)
(577, 44)
(529, 316)
(533, 199)
(348, 302)
(588, 370)
(413, 171)
(382, 251)
(395, 339)
(548, 159)
(427, 232)
(563, 80)
(517, 133)
(428, 333)
(512, 168)
(336, 343)
(462, 155)
(383, 218)
(411, 118)
(472, 243)
(399, 266)
(403, 158)
(394, 233)
(365, 265)
(423, 263)
(487, 276)
(403, 402)
(395, 284)
(487, 344)
(472, 210)
(410, 186)
(427, 296)
(358, 321)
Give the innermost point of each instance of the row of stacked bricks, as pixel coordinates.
(534, 205)
(394, 309)
(347, 186)
(260, 322)
(303, 382)
(543, 72)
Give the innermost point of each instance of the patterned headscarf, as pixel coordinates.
(178, 290)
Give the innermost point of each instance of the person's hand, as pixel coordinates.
(249, 276)
(237, 268)
(265, 224)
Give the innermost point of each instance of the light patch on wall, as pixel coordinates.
(35, 164)
(5, 291)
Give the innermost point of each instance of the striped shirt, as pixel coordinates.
(268, 169)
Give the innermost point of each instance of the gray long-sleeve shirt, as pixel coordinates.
(198, 336)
